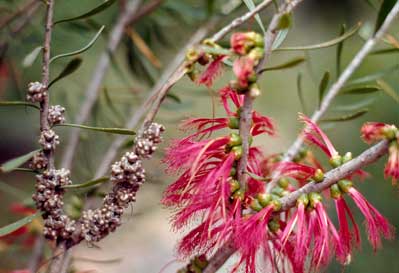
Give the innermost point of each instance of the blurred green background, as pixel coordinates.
(145, 242)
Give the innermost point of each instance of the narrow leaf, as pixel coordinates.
(173, 97)
(385, 51)
(76, 52)
(359, 90)
(347, 117)
(87, 184)
(388, 90)
(375, 76)
(285, 21)
(71, 67)
(31, 57)
(300, 92)
(355, 106)
(281, 35)
(251, 5)
(329, 43)
(323, 85)
(16, 162)
(18, 224)
(292, 63)
(120, 131)
(90, 13)
(385, 8)
(16, 103)
(339, 50)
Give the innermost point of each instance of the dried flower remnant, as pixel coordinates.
(36, 92)
(56, 115)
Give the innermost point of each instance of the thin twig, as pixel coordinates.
(37, 254)
(20, 10)
(337, 86)
(220, 257)
(98, 76)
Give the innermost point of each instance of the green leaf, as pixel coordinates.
(340, 45)
(281, 35)
(375, 76)
(329, 43)
(385, 51)
(16, 103)
(361, 89)
(355, 106)
(173, 97)
(300, 92)
(292, 63)
(251, 5)
(88, 183)
(385, 8)
(90, 13)
(323, 85)
(31, 57)
(119, 131)
(216, 51)
(388, 90)
(285, 21)
(71, 67)
(16, 162)
(76, 52)
(18, 224)
(348, 117)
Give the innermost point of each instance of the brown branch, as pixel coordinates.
(37, 254)
(20, 10)
(220, 257)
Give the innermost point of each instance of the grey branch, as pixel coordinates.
(343, 78)
(98, 76)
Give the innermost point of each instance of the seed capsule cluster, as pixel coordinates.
(48, 199)
(36, 92)
(56, 115)
(146, 144)
(49, 140)
(39, 161)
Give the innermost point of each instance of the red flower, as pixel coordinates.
(212, 71)
(376, 131)
(376, 224)
(243, 68)
(392, 166)
(242, 42)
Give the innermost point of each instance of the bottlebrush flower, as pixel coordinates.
(376, 224)
(299, 172)
(242, 42)
(212, 71)
(251, 235)
(392, 166)
(349, 238)
(376, 131)
(243, 69)
(228, 94)
(314, 135)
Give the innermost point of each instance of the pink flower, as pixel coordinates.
(299, 172)
(252, 235)
(314, 135)
(392, 166)
(212, 71)
(376, 131)
(376, 224)
(242, 42)
(261, 125)
(228, 94)
(243, 68)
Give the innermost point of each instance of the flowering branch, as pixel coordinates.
(343, 78)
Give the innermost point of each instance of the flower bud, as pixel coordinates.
(335, 192)
(255, 205)
(233, 171)
(390, 132)
(347, 157)
(303, 199)
(318, 175)
(237, 150)
(264, 199)
(345, 185)
(276, 205)
(314, 198)
(283, 182)
(192, 55)
(256, 54)
(234, 185)
(235, 139)
(234, 123)
(335, 161)
(201, 261)
(274, 225)
(239, 194)
(254, 91)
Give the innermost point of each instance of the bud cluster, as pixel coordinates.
(39, 161)
(56, 115)
(36, 92)
(48, 199)
(146, 144)
(49, 140)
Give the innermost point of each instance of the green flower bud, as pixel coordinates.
(233, 171)
(279, 191)
(234, 123)
(201, 261)
(314, 198)
(345, 185)
(255, 205)
(318, 176)
(234, 185)
(256, 53)
(254, 91)
(335, 192)
(239, 194)
(335, 161)
(303, 199)
(347, 157)
(283, 182)
(274, 225)
(264, 199)
(237, 150)
(235, 139)
(276, 205)
(390, 132)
